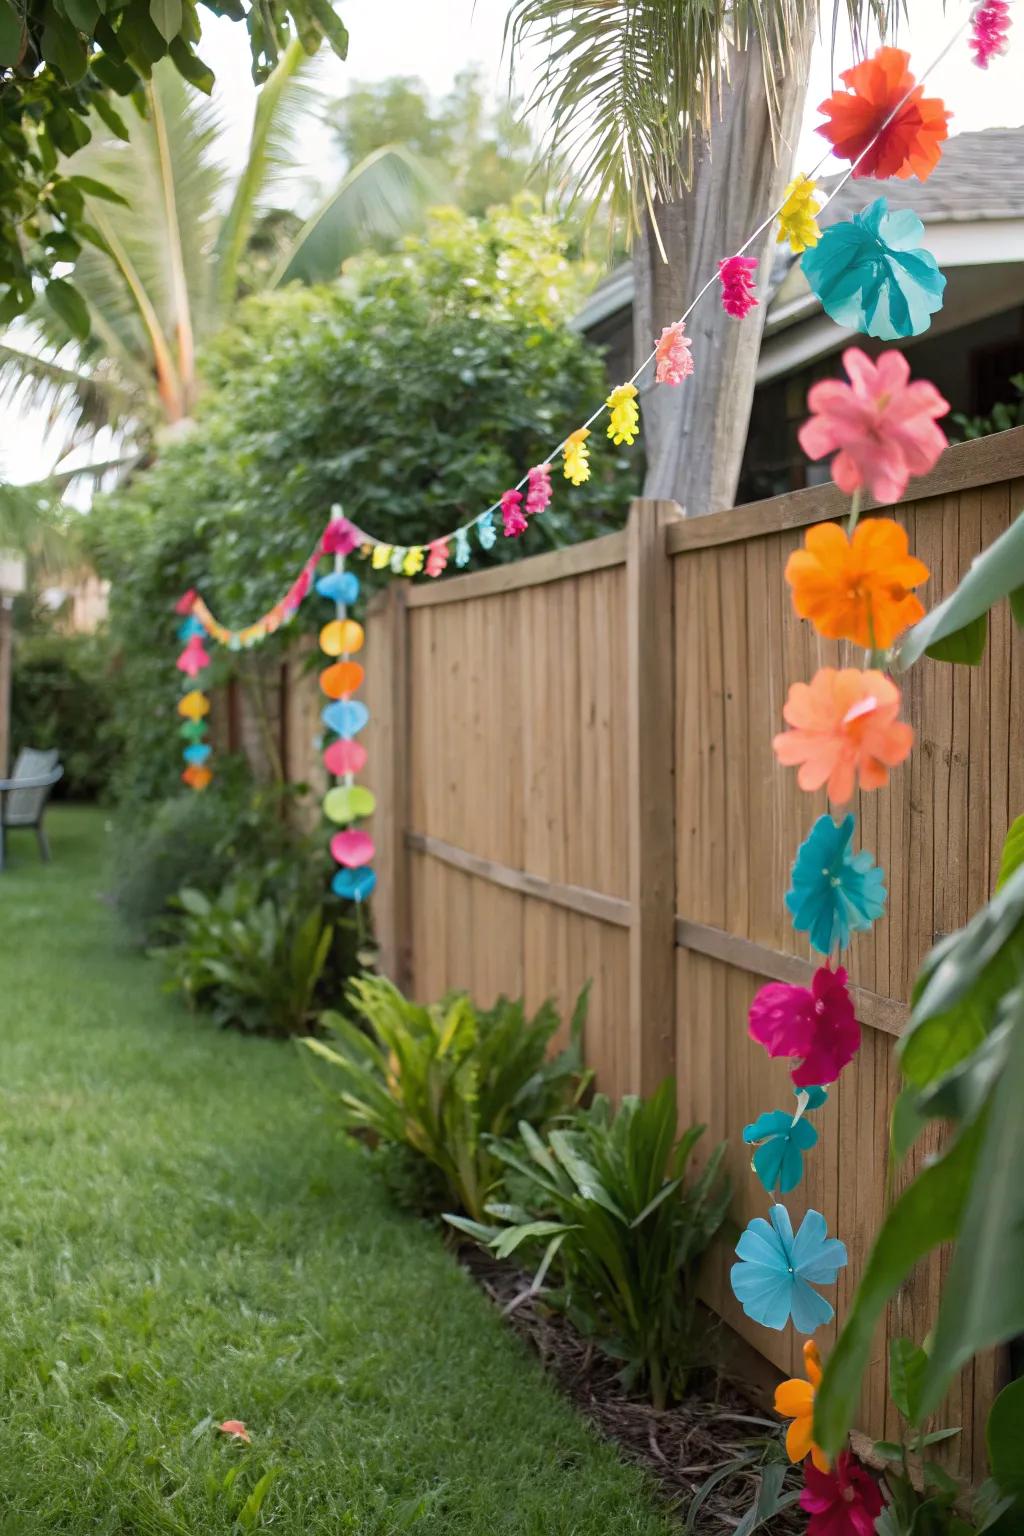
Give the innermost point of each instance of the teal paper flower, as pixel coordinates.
(834, 892)
(777, 1272)
(782, 1139)
(872, 273)
(486, 531)
(462, 549)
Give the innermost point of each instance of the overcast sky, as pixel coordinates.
(435, 40)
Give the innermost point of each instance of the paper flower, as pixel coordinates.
(413, 562)
(398, 555)
(777, 1272)
(339, 587)
(485, 531)
(463, 553)
(191, 629)
(844, 1502)
(196, 776)
(834, 892)
(736, 275)
(625, 414)
(990, 26)
(512, 517)
(437, 557)
(781, 1141)
(381, 557)
(193, 658)
(185, 601)
(857, 589)
(798, 222)
(340, 538)
(354, 884)
(872, 273)
(298, 590)
(538, 489)
(672, 355)
(867, 119)
(794, 1400)
(194, 705)
(236, 1430)
(843, 730)
(344, 756)
(883, 426)
(576, 455)
(816, 1024)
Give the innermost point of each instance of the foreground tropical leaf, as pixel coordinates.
(955, 630)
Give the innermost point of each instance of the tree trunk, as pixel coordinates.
(695, 432)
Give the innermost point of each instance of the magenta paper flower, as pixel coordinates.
(989, 28)
(340, 538)
(817, 1024)
(672, 355)
(538, 489)
(512, 515)
(736, 274)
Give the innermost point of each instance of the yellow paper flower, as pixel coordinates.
(413, 562)
(798, 219)
(577, 456)
(194, 705)
(625, 422)
(795, 1400)
(381, 556)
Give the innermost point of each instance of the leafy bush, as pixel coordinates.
(605, 1204)
(252, 955)
(449, 1079)
(62, 696)
(1002, 419)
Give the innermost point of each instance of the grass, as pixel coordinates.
(185, 1237)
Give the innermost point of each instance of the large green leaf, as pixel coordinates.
(994, 574)
(67, 303)
(1004, 1437)
(12, 34)
(928, 1213)
(983, 1297)
(1013, 852)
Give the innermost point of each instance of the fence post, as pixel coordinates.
(651, 713)
(390, 776)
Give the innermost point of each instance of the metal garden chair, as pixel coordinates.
(24, 795)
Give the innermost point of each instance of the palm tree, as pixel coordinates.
(682, 115)
(121, 355)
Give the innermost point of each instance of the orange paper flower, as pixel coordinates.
(794, 1399)
(843, 726)
(236, 1430)
(909, 145)
(196, 776)
(857, 589)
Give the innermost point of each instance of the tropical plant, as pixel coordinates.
(63, 64)
(120, 348)
(1002, 418)
(605, 1204)
(449, 1079)
(679, 113)
(252, 955)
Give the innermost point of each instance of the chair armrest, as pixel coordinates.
(42, 781)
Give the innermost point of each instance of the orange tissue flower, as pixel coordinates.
(794, 1399)
(236, 1429)
(843, 725)
(909, 145)
(857, 589)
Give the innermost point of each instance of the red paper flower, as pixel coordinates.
(844, 1502)
(538, 489)
(437, 557)
(909, 145)
(989, 28)
(736, 274)
(340, 538)
(511, 514)
(817, 1024)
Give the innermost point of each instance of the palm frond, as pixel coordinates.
(630, 86)
(382, 198)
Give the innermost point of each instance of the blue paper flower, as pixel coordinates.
(834, 892)
(339, 587)
(354, 884)
(190, 628)
(777, 1272)
(462, 549)
(346, 717)
(873, 274)
(779, 1160)
(486, 531)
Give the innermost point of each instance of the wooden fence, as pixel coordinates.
(572, 759)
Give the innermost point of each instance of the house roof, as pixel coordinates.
(978, 180)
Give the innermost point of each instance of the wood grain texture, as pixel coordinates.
(559, 565)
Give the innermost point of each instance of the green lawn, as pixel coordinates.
(185, 1237)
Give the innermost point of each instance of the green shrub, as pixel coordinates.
(62, 696)
(253, 955)
(448, 1080)
(604, 1205)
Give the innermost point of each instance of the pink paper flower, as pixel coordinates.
(817, 1024)
(437, 557)
(194, 657)
(236, 1430)
(538, 489)
(990, 26)
(340, 538)
(883, 426)
(186, 601)
(511, 514)
(843, 730)
(736, 274)
(672, 355)
(298, 590)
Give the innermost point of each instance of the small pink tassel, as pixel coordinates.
(538, 489)
(674, 363)
(437, 557)
(736, 274)
(990, 26)
(511, 514)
